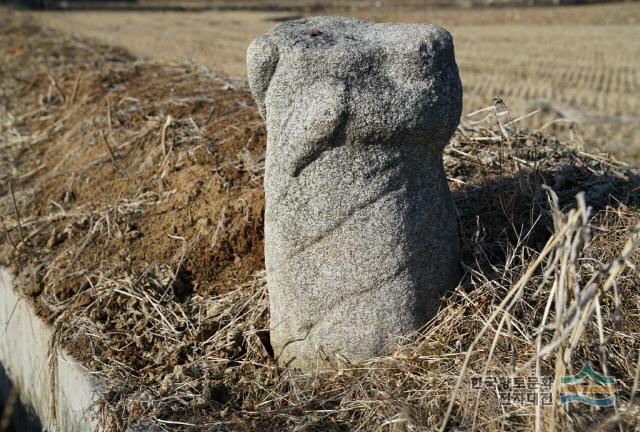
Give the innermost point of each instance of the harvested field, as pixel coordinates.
(137, 229)
(576, 66)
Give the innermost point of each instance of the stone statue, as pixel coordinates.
(361, 236)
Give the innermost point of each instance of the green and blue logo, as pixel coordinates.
(588, 387)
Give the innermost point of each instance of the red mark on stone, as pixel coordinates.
(315, 32)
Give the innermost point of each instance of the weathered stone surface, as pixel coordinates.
(360, 228)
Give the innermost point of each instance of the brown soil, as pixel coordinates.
(201, 205)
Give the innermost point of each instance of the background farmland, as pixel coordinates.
(577, 65)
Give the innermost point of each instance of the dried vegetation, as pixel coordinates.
(136, 228)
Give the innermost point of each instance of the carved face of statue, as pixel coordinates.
(359, 82)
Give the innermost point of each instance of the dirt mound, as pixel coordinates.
(137, 229)
(131, 165)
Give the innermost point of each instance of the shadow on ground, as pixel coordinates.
(496, 214)
(20, 418)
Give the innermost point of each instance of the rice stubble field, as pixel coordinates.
(574, 67)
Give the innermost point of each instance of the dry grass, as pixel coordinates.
(549, 235)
